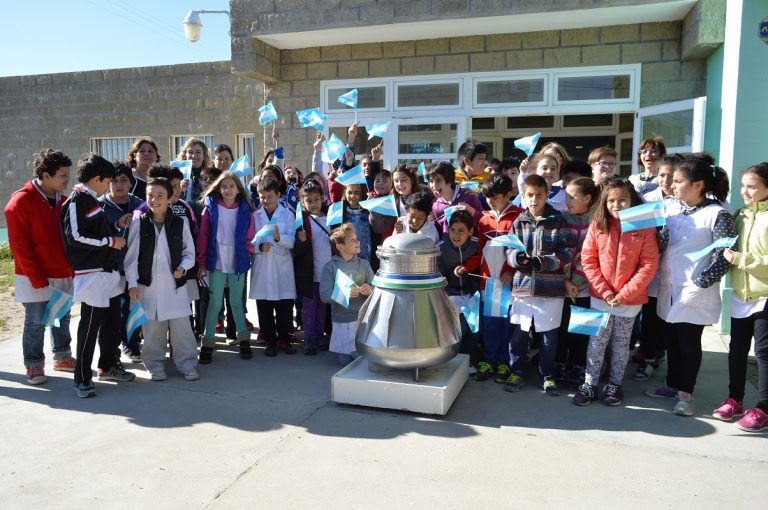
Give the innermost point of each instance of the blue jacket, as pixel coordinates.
(242, 258)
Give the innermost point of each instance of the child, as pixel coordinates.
(358, 217)
(573, 170)
(92, 243)
(619, 267)
(459, 255)
(581, 194)
(311, 252)
(538, 286)
(119, 205)
(603, 163)
(548, 167)
(160, 252)
(471, 155)
(404, 184)
(749, 315)
(345, 246)
(689, 291)
(649, 154)
(418, 208)
(223, 253)
(496, 222)
(511, 168)
(272, 279)
(441, 181)
(33, 214)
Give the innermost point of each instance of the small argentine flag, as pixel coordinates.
(242, 166)
(471, 311)
(333, 149)
(299, 221)
(267, 113)
(587, 322)
(58, 306)
(265, 231)
(312, 117)
(723, 242)
(385, 205)
(470, 185)
(378, 129)
(354, 175)
(648, 215)
(448, 211)
(184, 165)
(349, 99)
(342, 288)
(136, 317)
(422, 171)
(528, 144)
(497, 298)
(335, 214)
(508, 241)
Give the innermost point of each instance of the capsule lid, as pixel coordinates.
(409, 243)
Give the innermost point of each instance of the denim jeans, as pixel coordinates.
(33, 338)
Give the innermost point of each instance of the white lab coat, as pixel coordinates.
(272, 275)
(161, 301)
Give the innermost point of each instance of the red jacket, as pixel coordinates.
(492, 225)
(34, 232)
(620, 263)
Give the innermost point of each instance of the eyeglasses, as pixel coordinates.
(607, 164)
(647, 152)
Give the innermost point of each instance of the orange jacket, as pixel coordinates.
(620, 263)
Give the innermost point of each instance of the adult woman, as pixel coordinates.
(142, 155)
(196, 151)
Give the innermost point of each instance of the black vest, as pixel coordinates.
(174, 232)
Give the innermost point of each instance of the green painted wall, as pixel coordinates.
(714, 115)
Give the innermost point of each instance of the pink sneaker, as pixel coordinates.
(754, 421)
(36, 375)
(65, 365)
(729, 410)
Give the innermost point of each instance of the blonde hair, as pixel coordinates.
(182, 155)
(339, 236)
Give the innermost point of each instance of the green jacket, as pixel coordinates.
(749, 272)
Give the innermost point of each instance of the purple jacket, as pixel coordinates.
(463, 196)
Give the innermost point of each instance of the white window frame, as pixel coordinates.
(208, 139)
(509, 76)
(337, 108)
(631, 71)
(129, 140)
(442, 107)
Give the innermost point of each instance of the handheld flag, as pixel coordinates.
(723, 242)
(470, 185)
(241, 166)
(497, 298)
(377, 129)
(267, 113)
(349, 99)
(587, 322)
(312, 117)
(648, 215)
(471, 311)
(136, 317)
(267, 230)
(421, 171)
(385, 205)
(354, 175)
(185, 165)
(299, 221)
(333, 149)
(56, 308)
(508, 241)
(342, 288)
(528, 144)
(448, 211)
(335, 214)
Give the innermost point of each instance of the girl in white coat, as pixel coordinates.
(688, 292)
(272, 280)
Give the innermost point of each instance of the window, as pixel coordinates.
(510, 91)
(420, 95)
(427, 139)
(531, 122)
(368, 98)
(579, 121)
(113, 149)
(362, 145)
(246, 144)
(483, 123)
(178, 141)
(592, 88)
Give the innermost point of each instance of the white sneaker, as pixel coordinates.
(685, 406)
(192, 374)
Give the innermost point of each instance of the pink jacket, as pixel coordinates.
(620, 263)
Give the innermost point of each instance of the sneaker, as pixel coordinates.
(206, 355)
(664, 392)
(245, 350)
(260, 339)
(586, 395)
(36, 375)
(638, 357)
(513, 383)
(612, 394)
(550, 387)
(65, 365)
(191, 375)
(286, 347)
(685, 406)
(248, 325)
(484, 371)
(645, 370)
(135, 357)
(160, 375)
(271, 350)
(502, 373)
(233, 341)
(755, 420)
(85, 390)
(219, 326)
(116, 373)
(729, 410)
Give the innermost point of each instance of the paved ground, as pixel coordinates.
(263, 434)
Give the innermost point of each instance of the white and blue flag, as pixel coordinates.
(471, 311)
(335, 214)
(349, 99)
(723, 242)
(185, 165)
(528, 144)
(136, 317)
(508, 241)
(266, 231)
(497, 298)
(267, 113)
(386, 205)
(312, 117)
(377, 129)
(448, 212)
(333, 149)
(299, 221)
(56, 308)
(421, 171)
(241, 166)
(354, 175)
(587, 322)
(470, 185)
(342, 288)
(648, 215)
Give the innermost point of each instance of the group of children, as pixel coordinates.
(165, 252)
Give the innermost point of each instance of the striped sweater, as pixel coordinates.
(577, 225)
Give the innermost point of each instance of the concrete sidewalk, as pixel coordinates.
(262, 433)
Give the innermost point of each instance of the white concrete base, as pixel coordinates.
(434, 393)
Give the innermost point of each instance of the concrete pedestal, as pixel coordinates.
(433, 393)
